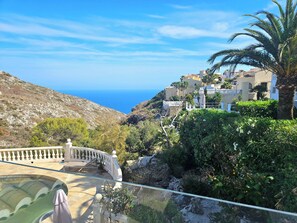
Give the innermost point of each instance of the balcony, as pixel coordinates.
(97, 199)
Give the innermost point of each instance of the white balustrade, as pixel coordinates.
(87, 154)
(32, 154)
(55, 153)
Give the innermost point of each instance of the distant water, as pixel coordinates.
(121, 100)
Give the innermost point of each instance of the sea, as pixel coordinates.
(120, 100)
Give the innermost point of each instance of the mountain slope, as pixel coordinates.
(23, 104)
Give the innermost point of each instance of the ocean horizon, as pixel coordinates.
(120, 100)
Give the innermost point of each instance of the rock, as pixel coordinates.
(148, 171)
(175, 184)
(194, 208)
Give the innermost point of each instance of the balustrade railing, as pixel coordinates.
(53, 153)
(68, 153)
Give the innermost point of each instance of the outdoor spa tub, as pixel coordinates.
(26, 198)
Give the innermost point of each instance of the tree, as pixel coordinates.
(55, 131)
(226, 85)
(109, 136)
(261, 91)
(190, 99)
(274, 50)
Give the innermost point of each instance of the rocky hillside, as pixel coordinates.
(23, 104)
(147, 109)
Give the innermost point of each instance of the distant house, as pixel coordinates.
(193, 83)
(249, 79)
(172, 107)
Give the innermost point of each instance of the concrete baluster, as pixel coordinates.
(114, 158)
(61, 153)
(98, 209)
(54, 154)
(68, 146)
(31, 155)
(8, 156)
(22, 155)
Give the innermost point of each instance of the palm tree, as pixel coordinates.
(275, 50)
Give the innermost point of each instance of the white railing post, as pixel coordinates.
(222, 105)
(202, 100)
(114, 158)
(97, 209)
(229, 108)
(68, 146)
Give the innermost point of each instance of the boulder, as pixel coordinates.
(148, 171)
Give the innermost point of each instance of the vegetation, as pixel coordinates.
(238, 158)
(226, 85)
(261, 91)
(55, 131)
(216, 98)
(274, 50)
(142, 138)
(258, 108)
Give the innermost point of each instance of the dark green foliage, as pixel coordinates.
(56, 131)
(196, 183)
(159, 97)
(244, 159)
(118, 200)
(258, 108)
(152, 209)
(216, 98)
(175, 98)
(142, 138)
(176, 158)
(226, 85)
(199, 129)
(190, 99)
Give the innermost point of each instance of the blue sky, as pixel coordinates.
(116, 44)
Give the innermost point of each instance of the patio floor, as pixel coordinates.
(81, 189)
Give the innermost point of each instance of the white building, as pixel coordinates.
(274, 91)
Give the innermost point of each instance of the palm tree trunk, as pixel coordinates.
(286, 102)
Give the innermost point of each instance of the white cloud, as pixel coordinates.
(187, 32)
(156, 16)
(31, 26)
(182, 7)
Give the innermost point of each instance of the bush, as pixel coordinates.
(200, 134)
(250, 160)
(195, 183)
(108, 137)
(176, 158)
(142, 138)
(55, 131)
(258, 108)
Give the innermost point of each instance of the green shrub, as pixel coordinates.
(194, 183)
(258, 108)
(142, 138)
(249, 159)
(200, 134)
(155, 209)
(176, 158)
(55, 131)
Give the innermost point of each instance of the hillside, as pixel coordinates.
(23, 104)
(147, 109)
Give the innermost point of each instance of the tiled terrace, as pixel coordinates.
(81, 189)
